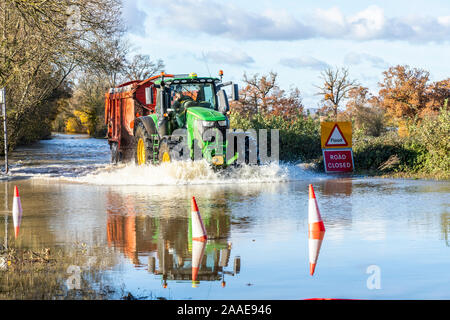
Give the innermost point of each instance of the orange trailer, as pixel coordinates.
(123, 104)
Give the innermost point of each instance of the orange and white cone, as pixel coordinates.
(198, 229)
(316, 230)
(198, 250)
(17, 211)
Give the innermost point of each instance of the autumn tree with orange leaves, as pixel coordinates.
(438, 93)
(365, 111)
(406, 93)
(262, 94)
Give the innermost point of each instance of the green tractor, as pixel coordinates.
(190, 121)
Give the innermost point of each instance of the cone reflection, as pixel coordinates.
(316, 230)
(198, 228)
(198, 250)
(17, 211)
(314, 244)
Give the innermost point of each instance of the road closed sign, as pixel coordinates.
(336, 140)
(338, 160)
(336, 135)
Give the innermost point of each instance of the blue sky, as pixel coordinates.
(297, 39)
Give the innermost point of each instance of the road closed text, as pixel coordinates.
(338, 160)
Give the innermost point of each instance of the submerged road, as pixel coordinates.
(127, 229)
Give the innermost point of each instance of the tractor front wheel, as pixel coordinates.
(170, 150)
(165, 152)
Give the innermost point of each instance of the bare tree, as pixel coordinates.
(141, 67)
(258, 89)
(263, 95)
(336, 85)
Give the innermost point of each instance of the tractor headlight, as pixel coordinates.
(208, 124)
(223, 123)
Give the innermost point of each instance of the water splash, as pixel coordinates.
(192, 173)
(80, 159)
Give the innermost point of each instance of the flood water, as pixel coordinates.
(132, 226)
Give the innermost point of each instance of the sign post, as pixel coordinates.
(5, 130)
(336, 140)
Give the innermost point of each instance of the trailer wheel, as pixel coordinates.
(143, 146)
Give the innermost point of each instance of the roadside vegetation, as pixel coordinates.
(403, 131)
(263, 105)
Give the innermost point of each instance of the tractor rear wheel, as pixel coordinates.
(144, 146)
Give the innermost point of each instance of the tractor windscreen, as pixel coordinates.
(201, 94)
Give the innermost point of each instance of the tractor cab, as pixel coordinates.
(185, 96)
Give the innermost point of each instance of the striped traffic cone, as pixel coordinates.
(17, 211)
(316, 230)
(198, 229)
(198, 250)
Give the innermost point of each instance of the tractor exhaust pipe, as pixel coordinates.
(163, 119)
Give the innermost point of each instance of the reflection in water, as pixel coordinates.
(198, 250)
(5, 241)
(316, 230)
(445, 226)
(165, 239)
(338, 187)
(142, 239)
(314, 243)
(121, 229)
(336, 205)
(16, 212)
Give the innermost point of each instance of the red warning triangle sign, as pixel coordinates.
(336, 138)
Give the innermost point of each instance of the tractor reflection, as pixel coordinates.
(163, 242)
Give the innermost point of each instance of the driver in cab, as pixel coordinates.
(178, 105)
(178, 100)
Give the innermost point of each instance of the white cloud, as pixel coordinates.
(444, 21)
(233, 57)
(304, 62)
(353, 58)
(193, 17)
(329, 23)
(133, 17)
(368, 24)
(214, 18)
